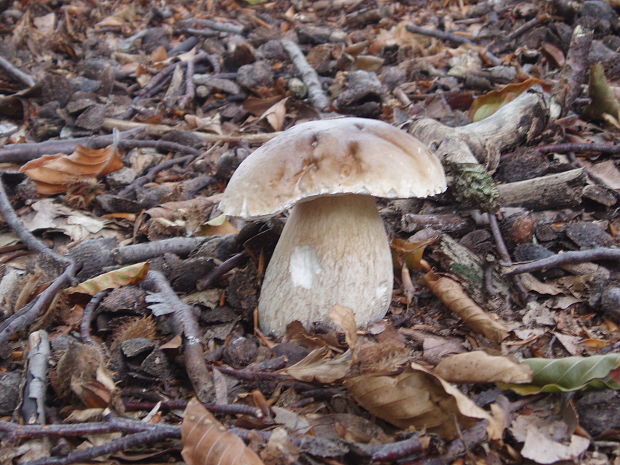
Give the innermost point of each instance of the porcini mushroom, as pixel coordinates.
(334, 248)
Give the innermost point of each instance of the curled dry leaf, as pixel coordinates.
(454, 297)
(53, 174)
(317, 366)
(125, 276)
(345, 318)
(487, 104)
(480, 367)
(207, 442)
(419, 399)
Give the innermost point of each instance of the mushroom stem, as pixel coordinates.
(333, 250)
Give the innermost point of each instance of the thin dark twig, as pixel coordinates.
(148, 177)
(527, 26)
(88, 316)
(225, 409)
(579, 147)
(162, 145)
(14, 431)
(566, 258)
(21, 153)
(124, 443)
(499, 240)
(437, 34)
(220, 270)
(252, 375)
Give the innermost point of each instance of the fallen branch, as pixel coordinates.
(33, 405)
(308, 75)
(220, 270)
(582, 147)
(160, 129)
(124, 443)
(21, 153)
(87, 317)
(185, 321)
(538, 20)
(565, 258)
(545, 192)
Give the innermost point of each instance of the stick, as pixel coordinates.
(565, 258)
(308, 75)
(611, 149)
(33, 406)
(186, 324)
(160, 129)
(21, 153)
(16, 73)
(551, 191)
(437, 34)
(148, 177)
(88, 316)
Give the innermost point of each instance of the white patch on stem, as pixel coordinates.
(304, 266)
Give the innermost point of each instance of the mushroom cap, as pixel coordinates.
(332, 157)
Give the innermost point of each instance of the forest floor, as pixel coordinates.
(128, 325)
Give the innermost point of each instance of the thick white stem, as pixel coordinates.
(333, 250)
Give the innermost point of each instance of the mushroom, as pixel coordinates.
(334, 248)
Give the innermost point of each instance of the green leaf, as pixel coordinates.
(570, 374)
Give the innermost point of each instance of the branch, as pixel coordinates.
(16, 73)
(565, 258)
(437, 34)
(308, 75)
(186, 324)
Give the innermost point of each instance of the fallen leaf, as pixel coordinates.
(275, 114)
(125, 276)
(345, 319)
(454, 297)
(207, 442)
(318, 367)
(480, 367)
(569, 374)
(487, 104)
(53, 174)
(417, 398)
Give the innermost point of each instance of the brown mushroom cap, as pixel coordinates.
(330, 157)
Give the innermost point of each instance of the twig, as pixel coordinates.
(220, 26)
(400, 449)
(189, 85)
(160, 129)
(124, 443)
(21, 153)
(252, 375)
(24, 235)
(16, 73)
(33, 406)
(141, 252)
(565, 258)
(161, 145)
(308, 75)
(527, 26)
(579, 147)
(437, 34)
(186, 323)
(30, 312)
(199, 32)
(220, 270)
(499, 240)
(225, 409)
(150, 175)
(24, 317)
(88, 316)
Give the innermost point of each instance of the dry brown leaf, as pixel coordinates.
(316, 366)
(207, 442)
(419, 399)
(454, 297)
(275, 114)
(345, 319)
(480, 367)
(53, 174)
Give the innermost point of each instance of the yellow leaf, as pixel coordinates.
(125, 276)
